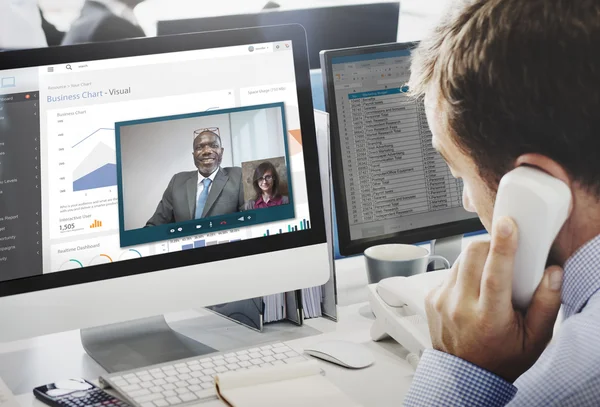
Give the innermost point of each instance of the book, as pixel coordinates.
(300, 384)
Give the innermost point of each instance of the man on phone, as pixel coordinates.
(511, 83)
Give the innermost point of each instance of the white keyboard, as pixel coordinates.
(190, 381)
(7, 399)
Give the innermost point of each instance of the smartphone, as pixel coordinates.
(76, 393)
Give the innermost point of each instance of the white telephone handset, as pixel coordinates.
(537, 202)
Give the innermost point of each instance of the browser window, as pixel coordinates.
(114, 153)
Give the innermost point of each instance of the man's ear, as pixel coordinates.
(547, 165)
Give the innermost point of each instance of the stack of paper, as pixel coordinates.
(312, 299)
(274, 308)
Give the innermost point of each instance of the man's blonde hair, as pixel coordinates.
(517, 76)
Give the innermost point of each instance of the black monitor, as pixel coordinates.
(326, 27)
(390, 185)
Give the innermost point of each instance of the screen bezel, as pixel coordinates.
(348, 247)
(177, 43)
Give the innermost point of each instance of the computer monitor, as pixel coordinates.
(390, 185)
(103, 153)
(326, 27)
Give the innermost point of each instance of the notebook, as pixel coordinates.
(298, 385)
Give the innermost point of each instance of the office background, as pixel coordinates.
(152, 153)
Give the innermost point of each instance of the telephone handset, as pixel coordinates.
(537, 202)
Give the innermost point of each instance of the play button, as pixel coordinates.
(241, 219)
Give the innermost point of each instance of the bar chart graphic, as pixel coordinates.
(97, 224)
(304, 224)
(203, 243)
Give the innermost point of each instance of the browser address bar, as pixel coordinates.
(171, 57)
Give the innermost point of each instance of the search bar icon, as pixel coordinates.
(68, 66)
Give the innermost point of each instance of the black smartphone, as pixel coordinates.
(76, 393)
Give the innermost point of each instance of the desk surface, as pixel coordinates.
(25, 364)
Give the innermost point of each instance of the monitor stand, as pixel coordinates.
(447, 247)
(139, 343)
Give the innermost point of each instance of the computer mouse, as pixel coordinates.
(343, 353)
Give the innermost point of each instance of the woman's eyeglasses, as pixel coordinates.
(267, 178)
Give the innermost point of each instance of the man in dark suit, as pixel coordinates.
(210, 191)
(104, 20)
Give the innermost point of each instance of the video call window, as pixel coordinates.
(202, 172)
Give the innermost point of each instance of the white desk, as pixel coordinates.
(25, 364)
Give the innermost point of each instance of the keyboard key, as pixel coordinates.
(220, 362)
(197, 367)
(149, 397)
(205, 360)
(229, 355)
(207, 379)
(231, 360)
(193, 362)
(120, 383)
(279, 345)
(266, 347)
(188, 397)
(169, 386)
(148, 404)
(291, 354)
(194, 381)
(147, 385)
(169, 393)
(207, 393)
(161, 403)
(267, 353)
(182, 391)
(133, 380)
(244, 357)
(156, 370)
(137, 393)
(255, 355)
(280, 350)
(217, 357)
(181, 384)
(159, 382)
(232, 366)
(208, 365)
(156, 389)
(172, 379)
(129, 376)
(183, 370)
(130, 387)
(171, 373)
(269, 359)
(245, 363)
(184, 376)
(242, 352)
(197, 374)
(194, 387)
(221, 369)
(253, 350)
(257, 362)
(159, 375)
(178, 365)
(207, 385)
(174, 400)
(141, 373)
(280, 356)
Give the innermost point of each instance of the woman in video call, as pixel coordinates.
(266, 185)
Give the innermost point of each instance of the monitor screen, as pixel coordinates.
(109, 160)
(394, 181)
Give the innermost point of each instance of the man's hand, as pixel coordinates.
(471, 314)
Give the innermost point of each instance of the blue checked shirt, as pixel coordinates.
(566, 374)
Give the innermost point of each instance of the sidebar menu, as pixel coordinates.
(20, 193)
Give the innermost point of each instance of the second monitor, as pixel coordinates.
(390, 184)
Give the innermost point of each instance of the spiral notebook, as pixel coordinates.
(298, 385)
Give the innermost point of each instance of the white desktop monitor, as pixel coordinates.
(100, 150)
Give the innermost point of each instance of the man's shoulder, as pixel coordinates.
(184, 175)
(232, 171)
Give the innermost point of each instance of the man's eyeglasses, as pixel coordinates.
(211, 129)
(267, 178)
